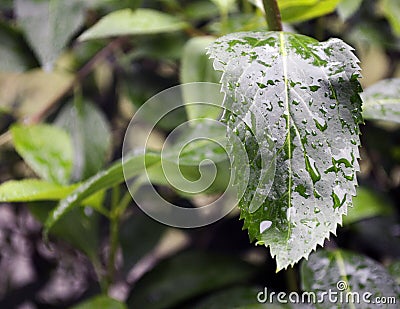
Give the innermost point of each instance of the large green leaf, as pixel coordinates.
(128, 22)
(49, 25)
(346, 272)
(382, 100)
(46, 149)
(391, 9)
(103, 302)
(184, 276)
(303, 96)
(91, 137)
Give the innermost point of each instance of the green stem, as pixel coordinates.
(272, 15)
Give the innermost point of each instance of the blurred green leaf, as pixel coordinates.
(347, 8)
(128, 22)
(301, 10)
(15, 55)
(224, 5)
(138, 235)
(325, 270)
(196, 66)
(199, 10)
(382, 101)
(72, 227)
(31, 190)
(184, 276)
(394, 270)
(295, 11)
(46, 149)
(28, 190)
(26, 94)
(391, 9)
(49, 25)
(101, 181)
(100, 302)
(366, 204)
(91, 137)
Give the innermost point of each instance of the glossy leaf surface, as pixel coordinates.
(303, 96)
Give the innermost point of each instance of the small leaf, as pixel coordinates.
(29, 190)
(46, 149)
(382, 101)
(366, 204)
(101, 181)
(103, 302)
(336, 270)
(195, 273)
(301, 97)
(301, 10)
(128, 22)
(32, 190)
(91, 137)
(391, 9)
(347, 8)
(49, 25)
(71, 228)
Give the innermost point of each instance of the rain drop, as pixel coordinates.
(265, 225)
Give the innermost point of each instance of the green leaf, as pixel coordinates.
(197, 67)
(138, 235)
(91, 137)
(195, 273)
(103, 302)
(46, 149)
(391, 9)
(394, 271)
(366, 204)
(382, 101)
(72, 226)
(300, 10)
(101, 181)
(29, 190)
(224, 6)
(32, 190)
(295, 11)
(347, 8)
(301, 97)
(128, 22)
(49, 25)
(14, 53)
(328, 270)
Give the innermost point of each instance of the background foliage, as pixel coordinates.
(72, 74)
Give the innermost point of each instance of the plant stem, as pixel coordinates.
(272, 15)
